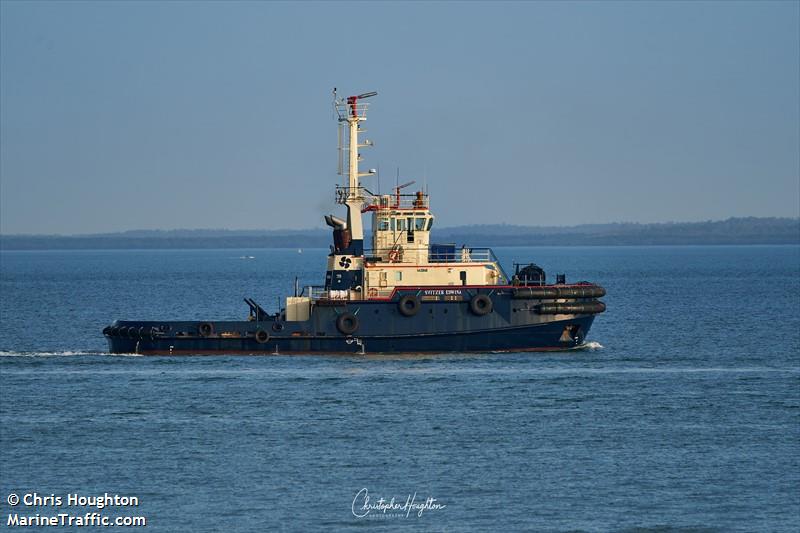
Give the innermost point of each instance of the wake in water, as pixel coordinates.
(65, 353)
(593, 345)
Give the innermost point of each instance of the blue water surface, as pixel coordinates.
(683, 414)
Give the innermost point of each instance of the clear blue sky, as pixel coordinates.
(135, 115)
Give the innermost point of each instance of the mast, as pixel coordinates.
(352, 113)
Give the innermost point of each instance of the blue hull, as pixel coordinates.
(377, 327)
(542, 337)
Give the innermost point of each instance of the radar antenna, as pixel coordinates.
(397, 190)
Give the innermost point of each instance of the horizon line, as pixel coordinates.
(320, 228)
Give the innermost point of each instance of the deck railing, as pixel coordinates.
(457, 255)
(378, 202)
(345, 110)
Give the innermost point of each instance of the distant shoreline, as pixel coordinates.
(733, 231)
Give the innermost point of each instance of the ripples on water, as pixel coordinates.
(681, 414)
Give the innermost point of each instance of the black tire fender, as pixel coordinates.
(481, 304)
(206, 329)
(409, 305)
(261, 336)
(347, 323)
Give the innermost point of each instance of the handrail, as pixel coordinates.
(376, 201)
(459, 255)
(315, 292)
(385, 202)
(345, 110)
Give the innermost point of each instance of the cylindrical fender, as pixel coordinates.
(551, 292)
(576, 308)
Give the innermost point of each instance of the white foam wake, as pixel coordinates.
(593, 345)
(6, 353)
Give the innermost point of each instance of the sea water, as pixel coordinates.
(682, 414)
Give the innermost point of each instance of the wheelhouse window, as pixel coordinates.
(419, 224)
(383, 224)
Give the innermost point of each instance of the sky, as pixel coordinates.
(162, 115)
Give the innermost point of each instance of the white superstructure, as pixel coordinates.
(401, 253)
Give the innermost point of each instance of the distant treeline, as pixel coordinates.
(731, 231)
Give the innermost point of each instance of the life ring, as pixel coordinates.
(409, 305)
(394, 255)
(262, 336)
(205, 329)
(347, 323)
(481, 304)
(373, 292)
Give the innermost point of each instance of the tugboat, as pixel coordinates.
(401, 295)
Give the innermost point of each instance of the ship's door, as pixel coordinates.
(372, 278)
(384, 279)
